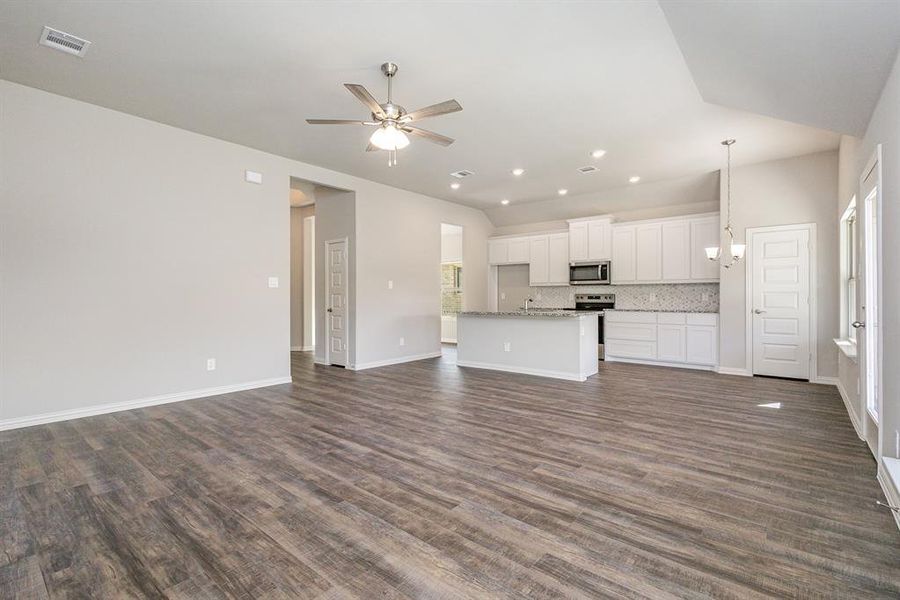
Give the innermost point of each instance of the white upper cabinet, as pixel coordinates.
(578, 241)
(539, 269)
(590, 239)
(622, 264)
(508, 251)
(676, 251)
(498, 252)
(704, 234)
(600, 239)
(648, 252)
(549, 259)
(519, 250)
(559, 258)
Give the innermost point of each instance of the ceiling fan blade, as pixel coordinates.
(435, 110)
(366, 98)
(335, 122)
(431, 136)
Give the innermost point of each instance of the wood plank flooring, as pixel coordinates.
(425, 480)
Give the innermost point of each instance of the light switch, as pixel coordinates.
(210, 364)
(390, 284)
(507, 346)
(252, 177)
(273, 282)
(402, 341)
(503, 295)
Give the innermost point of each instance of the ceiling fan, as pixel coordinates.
(392, 120)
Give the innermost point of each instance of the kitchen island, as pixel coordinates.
(548, 343)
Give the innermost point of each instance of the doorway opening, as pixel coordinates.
(451, 280)
(303, 280)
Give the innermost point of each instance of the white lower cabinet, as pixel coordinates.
(678, 339)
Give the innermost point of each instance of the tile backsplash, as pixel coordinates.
(675, 297)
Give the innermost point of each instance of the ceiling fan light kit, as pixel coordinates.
(736, 251)
(392, 120)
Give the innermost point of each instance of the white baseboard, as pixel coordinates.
(857, 426)
(302, 348)
(90, 411)
(825, 380)
(659, 363)
(734, 371)
(393, 361)
(522, 370)
(889, 487)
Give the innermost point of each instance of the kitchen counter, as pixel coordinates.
(547, 343)
(658, 310)
(534, 312)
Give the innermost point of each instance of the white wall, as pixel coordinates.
(399, 239)
(802, 189)
(131, 251)
(884, 129)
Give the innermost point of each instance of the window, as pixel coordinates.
(451, 288)
(849, 270)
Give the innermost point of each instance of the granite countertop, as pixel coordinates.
(533, 312)
(659, 310)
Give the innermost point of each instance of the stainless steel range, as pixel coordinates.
(596, 302)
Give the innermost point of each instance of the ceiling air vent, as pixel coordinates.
(64, 42)
(461, 174)
(587, 169)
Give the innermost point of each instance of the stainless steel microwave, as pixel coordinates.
(589, 273)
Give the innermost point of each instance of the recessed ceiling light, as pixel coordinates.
(562, 192)
(634, 179)
(454, 186)
(504, 202)
(598, 153)
(518, 172)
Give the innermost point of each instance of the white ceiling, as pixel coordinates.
(542, 84)
(819, 63)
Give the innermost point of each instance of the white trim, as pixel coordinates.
(523, 370)
(848, 348)
(813, 308)
(823, 380)
(101, 409)
(889, 486)
(734, 371)
(394, 361)
(302, 348)
(849, 406)
(660, 363)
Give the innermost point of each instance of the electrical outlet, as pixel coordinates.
(402, 341)
(390, 284)
(704, 296)
(652, 297)
(537, 298)
(210, 364)
(273, 282)
(503, 295)
(507, 347)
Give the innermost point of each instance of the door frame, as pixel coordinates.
(748, 297)
(327, 302)
(872, 165)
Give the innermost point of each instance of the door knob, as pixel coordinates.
(329, 310)
(758, 311)
(858, 324)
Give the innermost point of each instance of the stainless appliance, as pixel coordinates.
(596, 302)
(589, 273)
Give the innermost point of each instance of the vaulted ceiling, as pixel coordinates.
(541, 84)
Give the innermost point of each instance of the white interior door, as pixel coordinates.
(867, 323)
(336, 306)
(780, 303)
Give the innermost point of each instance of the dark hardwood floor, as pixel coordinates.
(425, 480)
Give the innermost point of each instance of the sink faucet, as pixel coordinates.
(527, 300)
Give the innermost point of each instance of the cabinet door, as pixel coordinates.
(702, 345)
(670, 343)
(599, 242)
(558, 250)
(676, 251)
(498, 252)
(578, 241)
(519, 251)
(622, 265)
(539, 267)
(704, 233)
(648, 252)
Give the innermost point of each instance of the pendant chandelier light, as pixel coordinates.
(736, 251)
